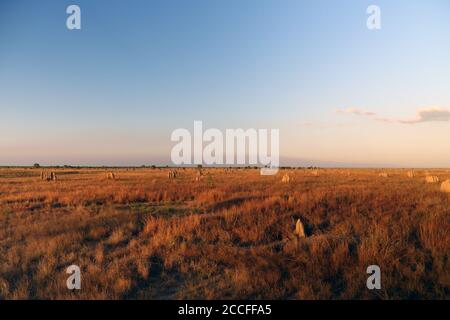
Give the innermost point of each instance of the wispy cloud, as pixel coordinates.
(423, 115)
(323, 125)
(355, 111)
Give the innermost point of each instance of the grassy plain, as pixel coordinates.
(229, 235)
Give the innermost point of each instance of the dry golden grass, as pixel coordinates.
(229, 235)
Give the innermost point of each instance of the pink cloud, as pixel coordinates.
(432, 114)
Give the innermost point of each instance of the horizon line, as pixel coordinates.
(210, 167)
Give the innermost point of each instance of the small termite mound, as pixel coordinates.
(199, 176)
(445, 186)
(48, 176)
(299, 229)
(411, 174)
(110, 176)
(172, 174)
(432, 179)
(286, 178)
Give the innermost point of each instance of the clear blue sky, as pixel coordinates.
(112, 92)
